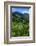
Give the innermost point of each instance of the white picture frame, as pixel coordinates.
(23, 39)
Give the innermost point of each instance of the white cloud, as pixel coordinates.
(13, 9)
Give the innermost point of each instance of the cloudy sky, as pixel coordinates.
(21, 10)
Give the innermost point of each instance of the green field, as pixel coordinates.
(20, 25)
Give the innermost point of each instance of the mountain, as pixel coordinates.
(18, 13)
(24, 16)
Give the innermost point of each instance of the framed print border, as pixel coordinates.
(6, 35)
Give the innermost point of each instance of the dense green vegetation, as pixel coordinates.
(20, 24)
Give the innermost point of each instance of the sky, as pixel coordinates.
(21, 10)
